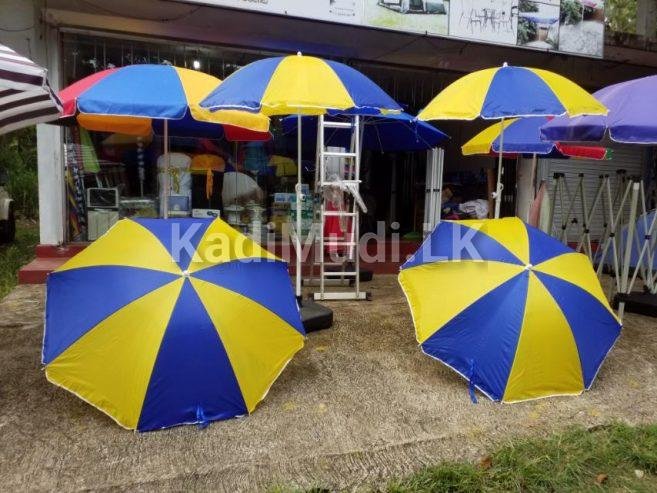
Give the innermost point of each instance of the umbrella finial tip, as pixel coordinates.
(299, 53)
(505, 64)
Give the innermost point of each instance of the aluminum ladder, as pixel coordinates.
(342, 268)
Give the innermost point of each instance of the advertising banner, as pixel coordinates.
(431, 16)
(570, 26)
(343, 11)
(485, 20)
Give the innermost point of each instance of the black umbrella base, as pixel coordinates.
(640, 303)
(315, 316)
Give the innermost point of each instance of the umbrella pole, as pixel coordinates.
(498, 186)
(297, 246)
(167, 165)
(533, 183)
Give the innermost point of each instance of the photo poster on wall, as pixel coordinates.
(421, 16)
(538, 24)
(582, 27)
(495, 21)
(341, 11)
(571, 26)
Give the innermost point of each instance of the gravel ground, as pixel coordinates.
(358, 405)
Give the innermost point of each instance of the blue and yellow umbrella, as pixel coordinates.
(508, 92)
(299, 85)
(511, 309)
(167, 322)
(523, 136)
(140, 99)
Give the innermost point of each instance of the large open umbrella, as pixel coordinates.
(510, 308)
(160, 323)
(382, 133)
(299, 85)
(141, 99)
(523, 136)
(25, 94)
(509, 92)
(631, 119)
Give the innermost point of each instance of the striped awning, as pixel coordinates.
(25, 95)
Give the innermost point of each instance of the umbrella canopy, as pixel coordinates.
(160, 323)
(137, 99)
(523, 136)
(390, 133)
(631, 119)
(298, 84)
(507, 92)
(534, 323)
(25, 95)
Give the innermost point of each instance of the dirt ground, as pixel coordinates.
(358, 405)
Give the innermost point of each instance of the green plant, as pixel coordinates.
(526, 31)
(621, 15)
(18, 161)
(571, 12)
(527, 6)
(17, 254)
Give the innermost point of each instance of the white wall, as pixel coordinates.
(22, 30)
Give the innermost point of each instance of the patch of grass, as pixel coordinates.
(616, 457)
(14, 255)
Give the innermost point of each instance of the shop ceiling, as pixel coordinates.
(253, 31)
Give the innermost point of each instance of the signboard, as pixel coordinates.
(342, 11)
(571, 26)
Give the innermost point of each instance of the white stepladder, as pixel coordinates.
(337, 173)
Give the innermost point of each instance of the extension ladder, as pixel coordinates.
(337, 174)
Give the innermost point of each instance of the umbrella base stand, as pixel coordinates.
(640, 303)
(315, 316)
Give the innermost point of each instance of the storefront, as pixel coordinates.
(94, 178)
(250, 184)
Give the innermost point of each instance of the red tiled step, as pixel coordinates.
(49, 257)
(36, 271)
